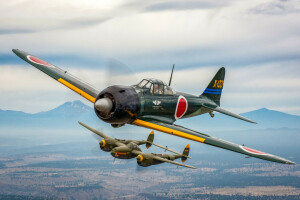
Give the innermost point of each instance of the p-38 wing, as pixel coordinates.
(183, 132)
(95, 131)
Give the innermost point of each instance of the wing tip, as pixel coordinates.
(16, 51)
(290, 162)
(20, 53)
(82, 124)
(243, 118)
(253, 122)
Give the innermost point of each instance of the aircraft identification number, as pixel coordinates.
(218, 84)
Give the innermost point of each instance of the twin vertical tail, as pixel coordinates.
(214, 88)
(150, 140)
(185, 153)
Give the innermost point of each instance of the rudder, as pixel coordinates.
(214, 88)
(185, 153)
(150, 140)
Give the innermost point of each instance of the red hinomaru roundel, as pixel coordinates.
(181, 108)
(249, 150)
(39, 61)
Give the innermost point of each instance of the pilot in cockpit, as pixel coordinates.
(157, 90)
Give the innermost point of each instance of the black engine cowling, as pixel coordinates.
(124, 100)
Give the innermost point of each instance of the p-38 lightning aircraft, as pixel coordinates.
(153, 104)
(127, 149)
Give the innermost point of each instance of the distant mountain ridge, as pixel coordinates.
(62, 116)
(69, 108)
(70, 112)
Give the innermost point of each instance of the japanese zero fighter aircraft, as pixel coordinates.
(127, 149)
(154, 105)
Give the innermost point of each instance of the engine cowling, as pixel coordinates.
(106, 145)
(140, 158)
(145, 160)
(114, 104)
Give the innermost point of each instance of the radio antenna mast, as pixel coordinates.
(171, 75)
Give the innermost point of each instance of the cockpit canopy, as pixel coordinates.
(133, 146)
(155, 86)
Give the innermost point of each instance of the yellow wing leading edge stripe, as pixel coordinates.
(149, 125)
(77, 90)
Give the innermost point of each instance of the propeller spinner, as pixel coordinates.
(104, 105)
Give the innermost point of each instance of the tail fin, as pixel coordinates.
(150, 140)
(213, 92)
(214, 88)
(185, 152)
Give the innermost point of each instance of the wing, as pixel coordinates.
(172, 162)
(75, 84)
(180, 131)
(95, 131)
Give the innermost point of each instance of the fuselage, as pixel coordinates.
(125, 151)
(170, 107)
(152, 100)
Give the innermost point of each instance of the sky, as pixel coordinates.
(256, 41)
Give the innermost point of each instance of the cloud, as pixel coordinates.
(149, 37)
(76, 23)
(33, 16)
(60, 60)
(24, 87)
(228, 36)
(20, 78)
(4, 31)
(277, 7)
(8, 59)
(184, 5)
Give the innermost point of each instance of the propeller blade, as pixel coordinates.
(118, 73)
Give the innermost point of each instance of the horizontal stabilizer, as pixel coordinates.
(165, 148)
(172, 162)
(226, 112)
